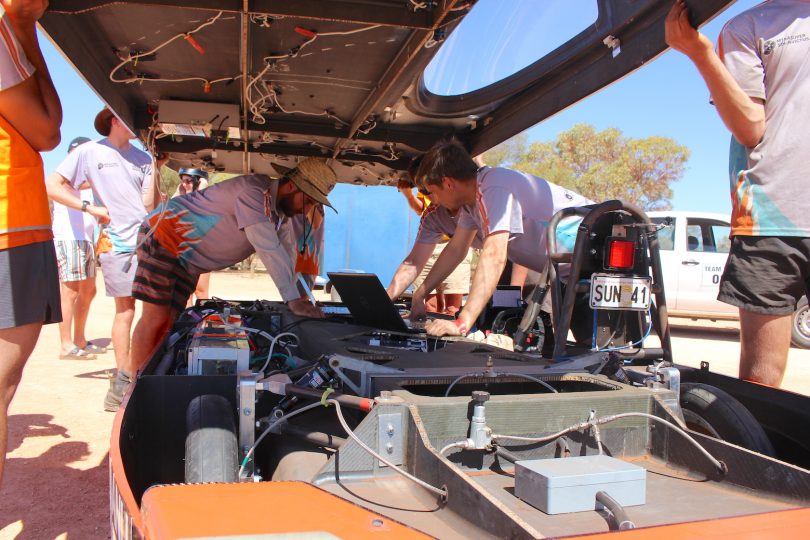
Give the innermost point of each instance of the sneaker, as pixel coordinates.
(118, 387)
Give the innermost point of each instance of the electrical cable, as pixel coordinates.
(606, 419)
(269, 428)
(185, 35)
(458, 444)
(441, 492)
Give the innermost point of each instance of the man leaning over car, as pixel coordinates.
(216, 228)
(510, 209)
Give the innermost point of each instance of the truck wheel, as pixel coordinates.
(800, 332)
(211, 445)
(711, 411)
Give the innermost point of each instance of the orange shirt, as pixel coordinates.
(24, 214)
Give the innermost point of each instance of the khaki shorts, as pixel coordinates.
(458, 282)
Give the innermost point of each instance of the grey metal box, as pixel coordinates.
(562, 485)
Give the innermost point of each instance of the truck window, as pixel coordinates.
(708, 236)
(665, 233)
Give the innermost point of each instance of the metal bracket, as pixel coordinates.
(666, 378)
(391, 437)
(339, 362)
(246, 396)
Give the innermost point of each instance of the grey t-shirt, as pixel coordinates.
(118, 179)
(438, 223)
(522, 205)
(205, 229)
(767, 51)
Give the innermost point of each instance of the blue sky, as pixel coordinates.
(667, 97)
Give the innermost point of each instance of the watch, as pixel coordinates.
(85, 204)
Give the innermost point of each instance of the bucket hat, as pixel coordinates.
(313, 177)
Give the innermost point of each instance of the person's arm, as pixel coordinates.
(485, 281)
(263, 237)
(55, 184)
(151, 187)
(409, 269)
(450, 258)
(743, 116)
(32, 106)
(407, 191)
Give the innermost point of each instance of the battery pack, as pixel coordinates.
(563, 485)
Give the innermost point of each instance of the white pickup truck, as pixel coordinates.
(694, 247)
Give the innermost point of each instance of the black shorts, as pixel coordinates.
(766, 274)
(29, 285)
(159, 278)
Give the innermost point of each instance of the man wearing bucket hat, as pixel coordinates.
(124, 190)
(216, 228)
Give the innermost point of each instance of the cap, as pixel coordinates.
(103, 122)
(313, 177)
(76, 142)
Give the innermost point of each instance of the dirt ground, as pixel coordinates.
(56, 479)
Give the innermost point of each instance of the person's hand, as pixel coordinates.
(304, 308)
(24, 12)
(100, 213)
(442, 327)
(418, 308)
(404, 185)
(681, 35)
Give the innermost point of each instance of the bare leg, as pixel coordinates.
(151, 328)
(122, 325)
(764, 345)
(201, 291)
(87, 291)
(202, 286)
(519, 274)
(452, 303)
(70, 292)
(430, 303)
(439, 303)
(16, 345)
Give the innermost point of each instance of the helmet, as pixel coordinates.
(199, 173)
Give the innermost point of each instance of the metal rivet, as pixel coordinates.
(377, 522)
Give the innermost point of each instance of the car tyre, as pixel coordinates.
(211, 443)
(711, 411)
(800, 329)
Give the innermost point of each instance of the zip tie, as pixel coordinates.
(326, 395)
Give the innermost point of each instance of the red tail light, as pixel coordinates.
(621, 254)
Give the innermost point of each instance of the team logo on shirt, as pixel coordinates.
(103, 165)
(768, 47)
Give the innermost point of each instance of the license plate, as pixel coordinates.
(620, 292)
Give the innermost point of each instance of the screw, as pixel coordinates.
(390, 430)
(247, 411)
(389, 448)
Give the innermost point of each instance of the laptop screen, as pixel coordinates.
(367, 301)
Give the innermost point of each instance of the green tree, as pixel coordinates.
(600, 165)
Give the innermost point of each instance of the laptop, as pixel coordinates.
(369, 304)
